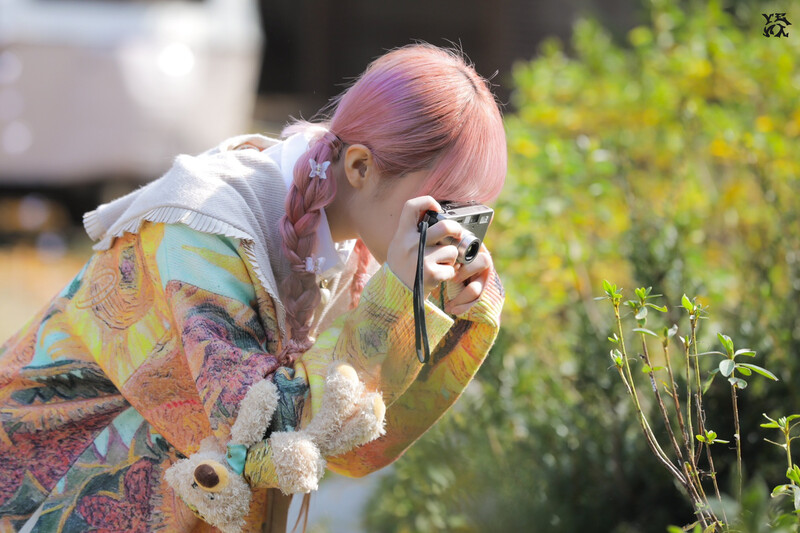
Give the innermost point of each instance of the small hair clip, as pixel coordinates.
(318, 169)
(313, 265)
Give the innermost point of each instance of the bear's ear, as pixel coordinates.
(211, 445)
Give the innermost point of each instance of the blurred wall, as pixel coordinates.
(313, 47)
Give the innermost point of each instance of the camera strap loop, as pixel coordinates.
(420, 329)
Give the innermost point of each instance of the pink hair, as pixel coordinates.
(417, 107)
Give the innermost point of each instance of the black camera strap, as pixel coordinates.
(421, 330)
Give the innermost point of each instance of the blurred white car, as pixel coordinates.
(96, 90)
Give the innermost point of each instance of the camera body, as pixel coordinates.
(473, 217)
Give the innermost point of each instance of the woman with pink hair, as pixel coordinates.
(260, 258)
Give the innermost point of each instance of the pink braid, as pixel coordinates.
(360, 278)
(299, 292)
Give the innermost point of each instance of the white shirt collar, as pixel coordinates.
(334, 255)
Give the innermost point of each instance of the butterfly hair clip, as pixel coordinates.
(318, 169)
(314, 265)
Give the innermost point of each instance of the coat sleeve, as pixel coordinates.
(454, 362)
(416, 395)
(377, 339)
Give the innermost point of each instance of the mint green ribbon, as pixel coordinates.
(237, 453)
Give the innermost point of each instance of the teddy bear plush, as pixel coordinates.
(210, 481)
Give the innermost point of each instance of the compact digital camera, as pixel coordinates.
(473, 217)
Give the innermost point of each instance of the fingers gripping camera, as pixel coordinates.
(212, 483)
(473, 217)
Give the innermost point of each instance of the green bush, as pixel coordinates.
(671, 160)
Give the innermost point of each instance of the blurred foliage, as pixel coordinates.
(672, 161)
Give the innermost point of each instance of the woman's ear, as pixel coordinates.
(357, 165)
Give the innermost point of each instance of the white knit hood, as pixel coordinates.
(225, 191)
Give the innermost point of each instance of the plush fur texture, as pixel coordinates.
(365, 425)
(343, 391)
(298, 462)
(224, 509)
(255, 413)
(226, 505)
(349, 416)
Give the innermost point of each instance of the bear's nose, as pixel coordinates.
(206, 476)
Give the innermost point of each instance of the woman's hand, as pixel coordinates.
(468, 284)
(439, 259)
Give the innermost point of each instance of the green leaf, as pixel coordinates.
(616, 356)
(770, 425)
(744, 370)
(662, 308)
(763, 371)
(607, 287)
(791, 490)
(676, 529)
(726, 367)
(793, 474)
(745, 351)
(687, 303)
(645, 331)
(739, 383)
(782, 489)
(641, 314)
(711, 438)
(726, 342)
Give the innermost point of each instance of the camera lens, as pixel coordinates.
(472, 251)
(468, 248)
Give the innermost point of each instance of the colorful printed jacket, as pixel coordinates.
(150, 349)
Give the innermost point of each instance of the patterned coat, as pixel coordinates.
(150, 349)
